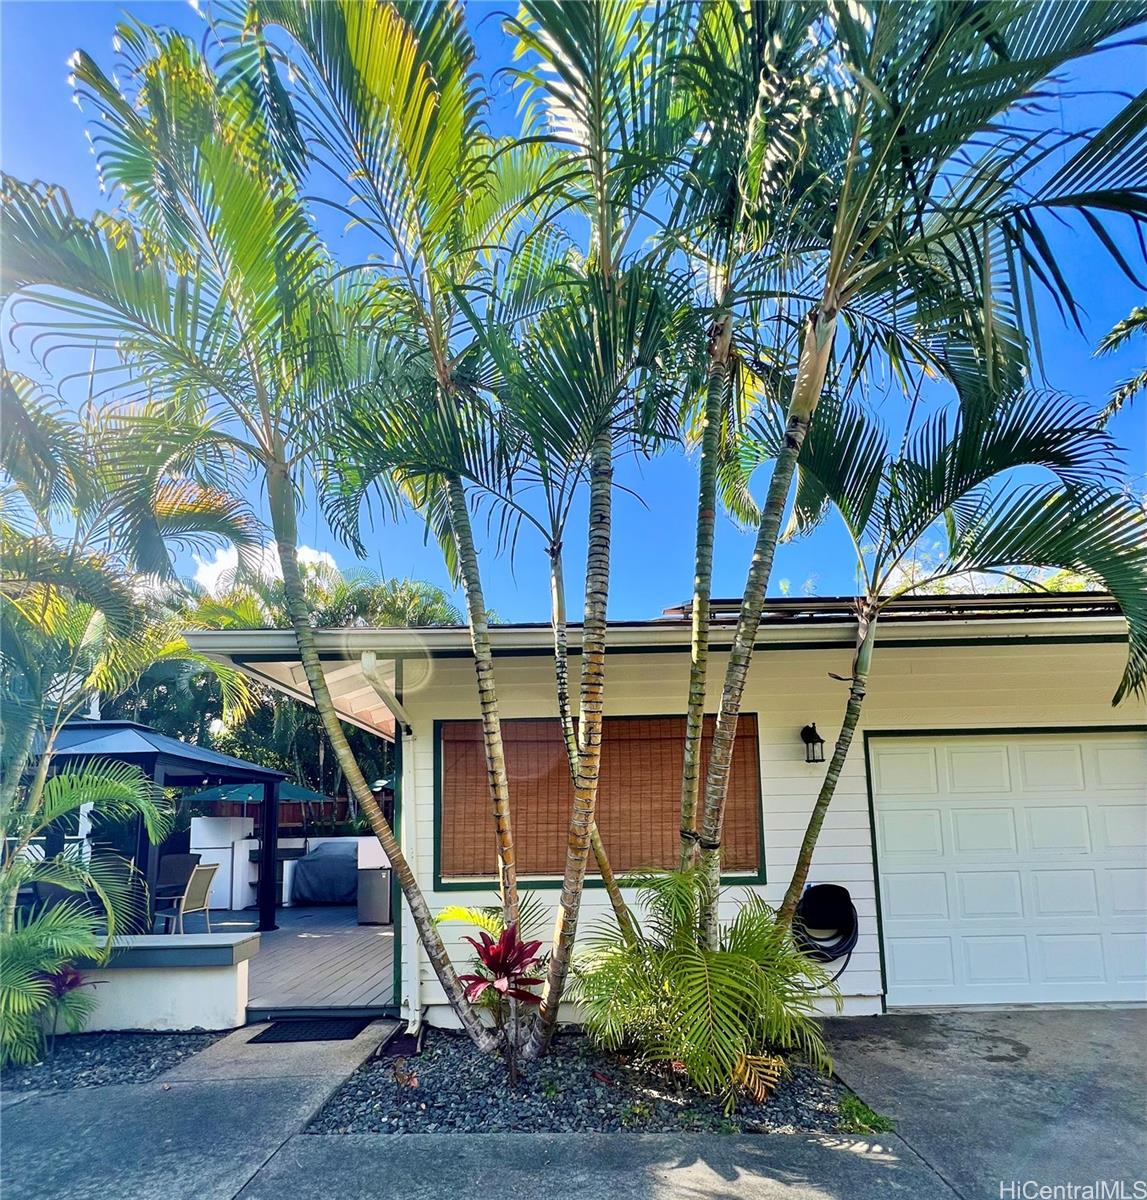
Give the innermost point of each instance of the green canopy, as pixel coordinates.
(252, 793)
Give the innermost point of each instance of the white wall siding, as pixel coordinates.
(942, 687)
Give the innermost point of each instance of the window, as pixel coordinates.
(638, 805)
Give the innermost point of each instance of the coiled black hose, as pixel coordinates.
(827, 906)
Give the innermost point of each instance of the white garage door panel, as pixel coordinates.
(1012, 869)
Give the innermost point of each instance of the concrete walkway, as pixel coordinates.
(979, 1098)
(228, 1123)
(602, 1166)
(198, 1132)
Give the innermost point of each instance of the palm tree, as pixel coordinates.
(246, 600)
(606, 110)
(544, 389)
(219, 296)
(57, 653)
(744, 74)
(284, 732)
(560, 411)
(583, 376)
(279, 732)
(723, 1017)
(403, 603)
(38, 947)
(81, 622)
(951, 477)
(390, 99)
(936, 239)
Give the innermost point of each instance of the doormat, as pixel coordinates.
(325, 1029)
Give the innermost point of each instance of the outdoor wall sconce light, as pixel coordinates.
(813, 744)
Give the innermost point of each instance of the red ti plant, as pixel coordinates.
(506, 964)
(65, 1001)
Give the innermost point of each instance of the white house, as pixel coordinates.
(991, 824)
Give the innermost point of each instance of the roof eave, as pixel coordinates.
(252, 645)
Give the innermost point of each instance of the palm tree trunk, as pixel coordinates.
(31, 805)
(561, 657)
(720, 339)
(281, 497)
(18, 764)
(589, 740)
(861, 665)
(569, 737)
(487, 695)
(816, 350)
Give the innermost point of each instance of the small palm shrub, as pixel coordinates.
(39, 948)
(40, 989)
(726, 1016)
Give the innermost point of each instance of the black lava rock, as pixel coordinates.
(451, 1087)
(99, 1059)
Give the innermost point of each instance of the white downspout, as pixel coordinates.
(411, 945)
(411, 1000)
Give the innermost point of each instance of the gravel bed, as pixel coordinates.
(98, 1059)
(451, 1088)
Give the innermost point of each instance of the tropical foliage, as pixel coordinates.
(281, 732)
(234, 338)
(728, 1015)
(82, 896)
(1122, 334)
(719, 223)
(80, 622)
(956, 477)
(920, 214)
(504, 979)
(506, 964)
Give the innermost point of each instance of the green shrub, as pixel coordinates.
(39, 988)
(726, 1016)
(104, 895)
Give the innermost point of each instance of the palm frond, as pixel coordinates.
(1095, 532)
(118, 791)
(1116, 338)
(34, 563)
(727, 1015)
(40, 450)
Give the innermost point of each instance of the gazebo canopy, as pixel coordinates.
(176, 763)
(172, 763)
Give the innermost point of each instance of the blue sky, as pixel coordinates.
(42, 137)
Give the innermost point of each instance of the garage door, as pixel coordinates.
(1012, 870)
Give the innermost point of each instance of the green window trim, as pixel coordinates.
(554, 882)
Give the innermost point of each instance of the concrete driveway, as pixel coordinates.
(1054, 1096)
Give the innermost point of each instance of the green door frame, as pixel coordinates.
(396, 897)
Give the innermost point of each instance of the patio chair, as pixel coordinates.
(174, 874)
(196, 898)
(49, 895)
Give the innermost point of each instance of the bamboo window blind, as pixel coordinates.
(638, 805)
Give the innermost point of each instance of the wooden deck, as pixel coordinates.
(318, 958)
